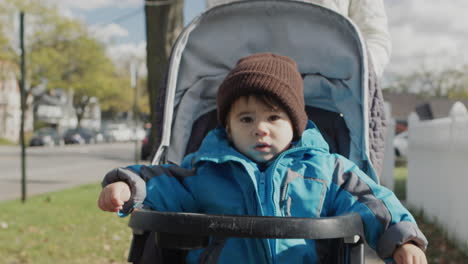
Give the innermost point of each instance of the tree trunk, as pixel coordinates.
(163, 25)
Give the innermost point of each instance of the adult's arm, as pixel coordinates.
(371, 18)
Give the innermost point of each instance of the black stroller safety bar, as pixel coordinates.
(192, 231)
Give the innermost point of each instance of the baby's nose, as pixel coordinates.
(261, 129)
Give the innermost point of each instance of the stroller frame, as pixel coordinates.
(187, 231)
(338, 72)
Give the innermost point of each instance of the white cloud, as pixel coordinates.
(427, 33)
(128, 50)
(123, 53)
(107, 33)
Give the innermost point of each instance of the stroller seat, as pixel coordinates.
(327, 47)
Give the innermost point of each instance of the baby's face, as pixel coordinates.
(257, 131)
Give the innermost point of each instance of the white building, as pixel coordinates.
(54, 107)
(10, 104)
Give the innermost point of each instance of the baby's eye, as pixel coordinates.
(246, 119)
(274, 117)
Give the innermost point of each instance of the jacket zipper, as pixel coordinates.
(264, 210)
(271, 198)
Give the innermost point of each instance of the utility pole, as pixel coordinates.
(134, 84)
(164, 22)
(23, 110)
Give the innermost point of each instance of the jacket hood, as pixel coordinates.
(217, 148)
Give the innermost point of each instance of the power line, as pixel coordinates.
(135, 12)
(126, 16)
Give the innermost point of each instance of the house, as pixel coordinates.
(54, 107)
(402, 104)
(92, 115)
(10, 104)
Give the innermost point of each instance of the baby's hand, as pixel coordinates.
(113, 196)
(409, 254)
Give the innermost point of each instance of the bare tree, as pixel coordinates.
(450, 83)
(164, 22)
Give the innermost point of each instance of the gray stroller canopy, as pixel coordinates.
(327, 47)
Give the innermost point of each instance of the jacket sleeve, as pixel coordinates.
(135, 182)
(387, 223)
(161, 188)
(371, 19)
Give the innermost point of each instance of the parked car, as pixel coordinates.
(116, 132)
(46, 136)
(138, 134)
(400, 144)
(146, 149)
(82, 136)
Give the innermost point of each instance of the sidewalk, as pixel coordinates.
(10, 149)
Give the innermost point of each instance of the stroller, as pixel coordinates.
(333, 62)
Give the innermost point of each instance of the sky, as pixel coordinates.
(120, 24)
(425, 33)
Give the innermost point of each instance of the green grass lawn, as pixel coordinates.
(401, 174)
(62, 227)
(6, 142)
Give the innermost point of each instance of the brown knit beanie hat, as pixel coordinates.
(265, 74)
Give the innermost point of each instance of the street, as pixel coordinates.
(56, 168)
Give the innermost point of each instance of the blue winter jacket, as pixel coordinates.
(303, 181)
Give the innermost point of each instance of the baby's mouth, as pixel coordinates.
(263, 147)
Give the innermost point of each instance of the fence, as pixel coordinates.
(438, 171)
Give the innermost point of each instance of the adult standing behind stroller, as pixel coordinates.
(371, 19)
